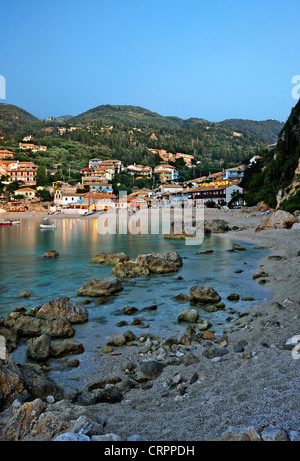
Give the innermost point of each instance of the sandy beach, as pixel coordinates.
(255, 384)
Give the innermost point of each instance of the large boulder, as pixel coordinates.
(11, 383)
(39, 349)
(110, 258)
(63, 309)
(217, 225)
(103, 287)
(38, 385)
(160, 263)
(203, 294)
(278, 220)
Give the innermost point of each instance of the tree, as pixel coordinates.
(45, 195)
(41, 177)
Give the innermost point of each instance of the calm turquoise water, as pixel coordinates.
(23, 268)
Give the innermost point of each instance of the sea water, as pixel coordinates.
(23, 267)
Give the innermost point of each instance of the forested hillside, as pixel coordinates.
(127, 133)
(275, 179)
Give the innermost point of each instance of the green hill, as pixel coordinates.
(12, 118)
(266, 130)
(129, 133)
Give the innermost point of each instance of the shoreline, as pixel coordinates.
(251, 388)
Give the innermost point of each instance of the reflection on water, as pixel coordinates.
(23, 268)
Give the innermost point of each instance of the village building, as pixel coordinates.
(6, 154)
(140, 170)
(26, 192)
(166, 172)
(218, 194)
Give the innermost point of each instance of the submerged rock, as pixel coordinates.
(144, 264)
(103, 287)
(51, 254)
(188, 315)
(204, 294)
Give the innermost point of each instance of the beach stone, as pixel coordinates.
(107, 438)
(188, 315)
(212, 350)
(66, 347)
(109, 258)
(274, 434)
(128, 310)
(84, 425)
(71, 437)
(109, 395)
(51, 254)
(129, 336)
(146, 371)
(238, 247)
(103, 287)
(39, 349)
(64, 309)
(233, 297)
(204, 325)
(106, 350)
(117, 340)
(25, 294)
(278, 220)
(204, 294)
(241, 434)
(182, 297)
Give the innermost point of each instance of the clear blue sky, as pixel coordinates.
(213, 59)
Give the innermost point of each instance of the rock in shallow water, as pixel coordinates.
(103, 287)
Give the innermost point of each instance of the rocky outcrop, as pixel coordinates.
(103, 287)
(24, 324)
(110, 258)
(62, 309)
(144, 264)
(204, 294)
(278, 220)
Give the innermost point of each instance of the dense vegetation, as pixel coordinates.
(267, 130)
(126, 133)
(275, 172)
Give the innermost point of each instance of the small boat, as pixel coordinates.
(6, 223)
(16, 222)
(48, 226)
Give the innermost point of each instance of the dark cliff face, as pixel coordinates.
(275, 180)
